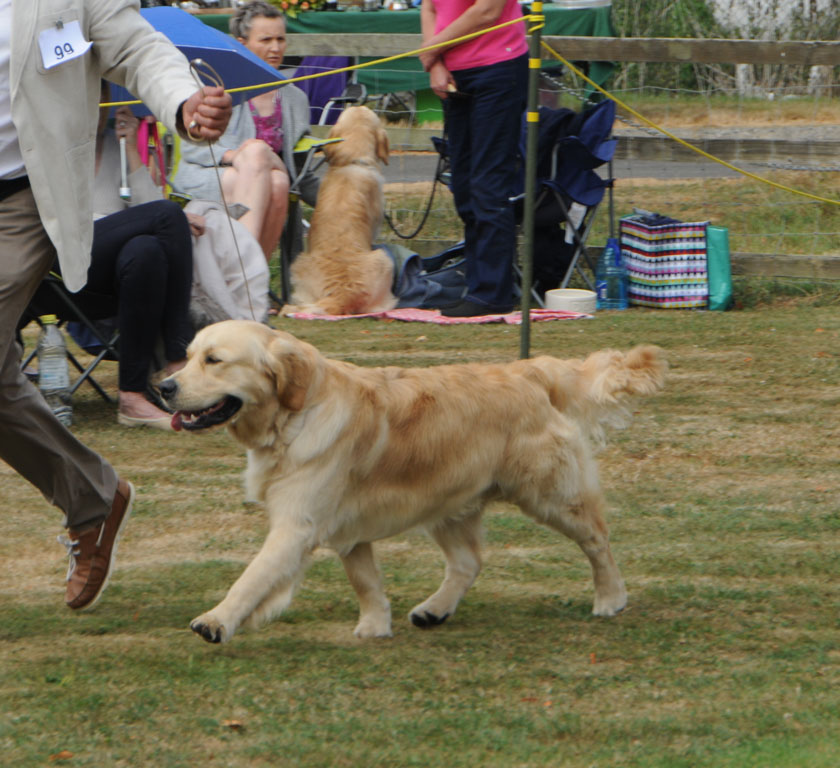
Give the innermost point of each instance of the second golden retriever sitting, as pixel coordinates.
(340, 273)
(343, 456)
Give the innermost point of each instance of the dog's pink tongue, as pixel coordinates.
(177, 424)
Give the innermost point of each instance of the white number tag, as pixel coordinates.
(60, 44)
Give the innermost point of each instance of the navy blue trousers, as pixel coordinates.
(483, 126)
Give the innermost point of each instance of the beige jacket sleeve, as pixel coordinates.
(55, 110)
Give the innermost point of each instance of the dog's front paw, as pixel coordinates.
(210, 628)
(366, 629)
(425, 619)
(611, 604)
(374, 624)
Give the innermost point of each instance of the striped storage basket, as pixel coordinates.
(665, 262)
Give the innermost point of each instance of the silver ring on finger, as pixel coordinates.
(190, 130)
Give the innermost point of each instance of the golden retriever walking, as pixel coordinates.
(340, 273)
(343, 456)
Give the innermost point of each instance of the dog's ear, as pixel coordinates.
(329, 149)
(293, 371)
(383, 146)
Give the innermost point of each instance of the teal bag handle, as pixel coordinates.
(719, 268)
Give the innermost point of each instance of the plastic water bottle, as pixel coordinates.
(611, 278)
(53, 375)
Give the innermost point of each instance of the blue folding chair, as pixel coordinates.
(571, 145)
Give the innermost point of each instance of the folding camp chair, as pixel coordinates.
(52, 297)
(569, 191)
(354, 94)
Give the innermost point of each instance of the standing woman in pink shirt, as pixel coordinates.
(483, 85)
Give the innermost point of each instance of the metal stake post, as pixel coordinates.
(532, 121)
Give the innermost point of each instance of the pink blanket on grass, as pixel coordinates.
(411, 315)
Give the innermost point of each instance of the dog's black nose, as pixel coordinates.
(167, 388)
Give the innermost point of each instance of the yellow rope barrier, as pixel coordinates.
(533, 17)
(684, 143)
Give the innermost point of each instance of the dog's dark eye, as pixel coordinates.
(210, 360)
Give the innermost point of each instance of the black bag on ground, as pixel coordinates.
(430, 283)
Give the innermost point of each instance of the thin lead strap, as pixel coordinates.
(205, 74)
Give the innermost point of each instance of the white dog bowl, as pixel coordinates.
(571, 300)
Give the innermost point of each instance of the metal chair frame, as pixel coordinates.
(353, 94)
(72, 312)
(581, 261)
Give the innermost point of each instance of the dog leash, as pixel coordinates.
(201, 69)
(441, 164)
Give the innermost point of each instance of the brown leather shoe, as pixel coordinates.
(92, 552)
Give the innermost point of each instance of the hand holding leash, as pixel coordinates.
(207, 112)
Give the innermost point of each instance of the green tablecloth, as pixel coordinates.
(406, 74)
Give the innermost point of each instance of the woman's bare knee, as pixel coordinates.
(255, 157)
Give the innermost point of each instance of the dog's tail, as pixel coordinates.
(595, 391)
(610, 376)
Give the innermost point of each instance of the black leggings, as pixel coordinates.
(142, 256)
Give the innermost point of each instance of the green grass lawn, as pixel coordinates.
(724, 507)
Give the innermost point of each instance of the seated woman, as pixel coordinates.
(258, 146)
(140, 271)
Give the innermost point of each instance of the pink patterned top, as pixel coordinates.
(501, 45)
(270, 127)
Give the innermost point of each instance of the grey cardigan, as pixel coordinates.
(196, 176)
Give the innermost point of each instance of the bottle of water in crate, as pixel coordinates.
(53, 375)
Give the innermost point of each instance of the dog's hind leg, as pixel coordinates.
(460, 540)
(583, 522)
(374, 608)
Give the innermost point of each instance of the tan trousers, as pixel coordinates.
(32, 441)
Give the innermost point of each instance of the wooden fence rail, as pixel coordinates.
(645, 49)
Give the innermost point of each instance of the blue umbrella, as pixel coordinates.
(237, 66)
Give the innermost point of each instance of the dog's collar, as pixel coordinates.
(363, 161)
